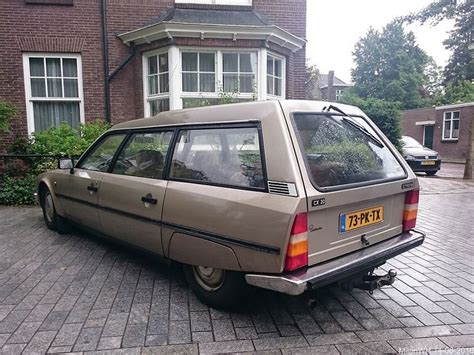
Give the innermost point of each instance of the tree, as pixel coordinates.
(312, 83)
(458, 93)
(390, 66)
(461, 63)
(7, 111)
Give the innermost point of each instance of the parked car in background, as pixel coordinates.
(284, 195)
(420, 158)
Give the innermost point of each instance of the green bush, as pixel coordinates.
(17, 190)
(7, 111)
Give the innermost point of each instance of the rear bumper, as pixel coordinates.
(297, 282)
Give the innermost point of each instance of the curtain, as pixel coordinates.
(49, 114)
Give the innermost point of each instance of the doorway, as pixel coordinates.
(428, 136)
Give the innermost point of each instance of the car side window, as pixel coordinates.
(224, 156)
(101, 156)
(144, 155)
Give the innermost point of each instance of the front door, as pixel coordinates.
(131, 197)
(428, 136)
(79, 190)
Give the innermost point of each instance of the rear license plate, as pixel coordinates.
(428, 162)
(358, 219)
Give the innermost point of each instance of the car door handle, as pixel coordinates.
(149, 199)
(92, 188)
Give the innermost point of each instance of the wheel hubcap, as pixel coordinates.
(209, 278)
(49, 207)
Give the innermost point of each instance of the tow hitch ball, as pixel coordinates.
(372, 282)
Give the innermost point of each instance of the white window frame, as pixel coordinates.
(452, 119)
(159, 96)
(217, 2)
(339, 93)
(176, 94)
(30, 99)
(283, 77)
(198, 72)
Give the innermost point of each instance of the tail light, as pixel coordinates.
(411, 209)
(297, 253)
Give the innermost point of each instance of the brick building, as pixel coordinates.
(78, 60)
(442, 128)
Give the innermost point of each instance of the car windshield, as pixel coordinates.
(340, 154)
(409, 142)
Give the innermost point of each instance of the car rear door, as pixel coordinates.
(80, 189)
(131, 196)
(355, 183)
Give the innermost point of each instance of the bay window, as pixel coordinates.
(198, 72)
(239, 70)
(53, 88)
(157, 83)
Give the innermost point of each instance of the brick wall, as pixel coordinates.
(38, 27)
(447, 149)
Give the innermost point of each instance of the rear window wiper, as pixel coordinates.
(349, 120)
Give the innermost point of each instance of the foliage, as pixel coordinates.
(65, 140)
(224, 97)
(461, 63)
(312, 83)
(385, 114)
(458, 93)
(390, 66)
(7, 111)
(17, 190)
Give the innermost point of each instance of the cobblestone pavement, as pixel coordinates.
(62, 293)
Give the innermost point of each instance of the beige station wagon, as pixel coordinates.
(284, 195)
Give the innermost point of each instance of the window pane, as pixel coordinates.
(189, 61)
(270, 90)
(157, 106)
(70, 88)
(55, 88)
(70, 67)
(337, 154)
(36, 66)
(190, 82)
(231, 61)
(206, 62)
(247, 83)
(278, 68)
(164, 83)
(153, 85)
(207, 83)
(144, 155)
(270, 65)
(200, 156)
(247, 62)
(51, 114)
(447, 115)
(456, 114)
(101, 157)
(38, 88)
(152, 66)
(53, 66)
(277, 88)
(455, 129)
(163, 62)
(231, 82)
(447, 129)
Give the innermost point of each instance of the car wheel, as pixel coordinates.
(52, 220)
(431, 173)
(216, 287)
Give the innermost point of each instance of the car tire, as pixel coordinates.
(431, 173)
(52, 220)
(222, 289)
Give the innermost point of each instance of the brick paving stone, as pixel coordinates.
(203, 337)
(200, 321)
(431, 331)
(223, 329)
(156, 339)
(386, 334)
(40, 342)
(226, 347)
(179, 332)
(328, 350)
(417, 345)
(191, 349)
(331, 339)
(378, 347)
(423, 316)
(280, 343)
(87, 339)
(464, 328)
(12, 349)
(458, 341)
(109, 343)
(246, 333)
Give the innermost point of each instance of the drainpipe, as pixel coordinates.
(131, 54)
(105, 54)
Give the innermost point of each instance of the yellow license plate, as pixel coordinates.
(428, 162)
(358, 219)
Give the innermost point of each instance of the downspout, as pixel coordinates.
(105, 54)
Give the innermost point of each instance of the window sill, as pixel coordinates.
(454, 140)
(50, 2)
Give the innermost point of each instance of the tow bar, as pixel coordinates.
(370, 282)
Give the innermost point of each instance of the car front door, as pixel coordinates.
(131, 197)
(80, 189)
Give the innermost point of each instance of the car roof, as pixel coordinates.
(241, 112)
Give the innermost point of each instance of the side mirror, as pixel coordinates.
(65, 164)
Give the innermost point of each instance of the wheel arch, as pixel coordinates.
(44, 185)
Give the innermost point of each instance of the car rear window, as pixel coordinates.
(339, 154)
(227, 156)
